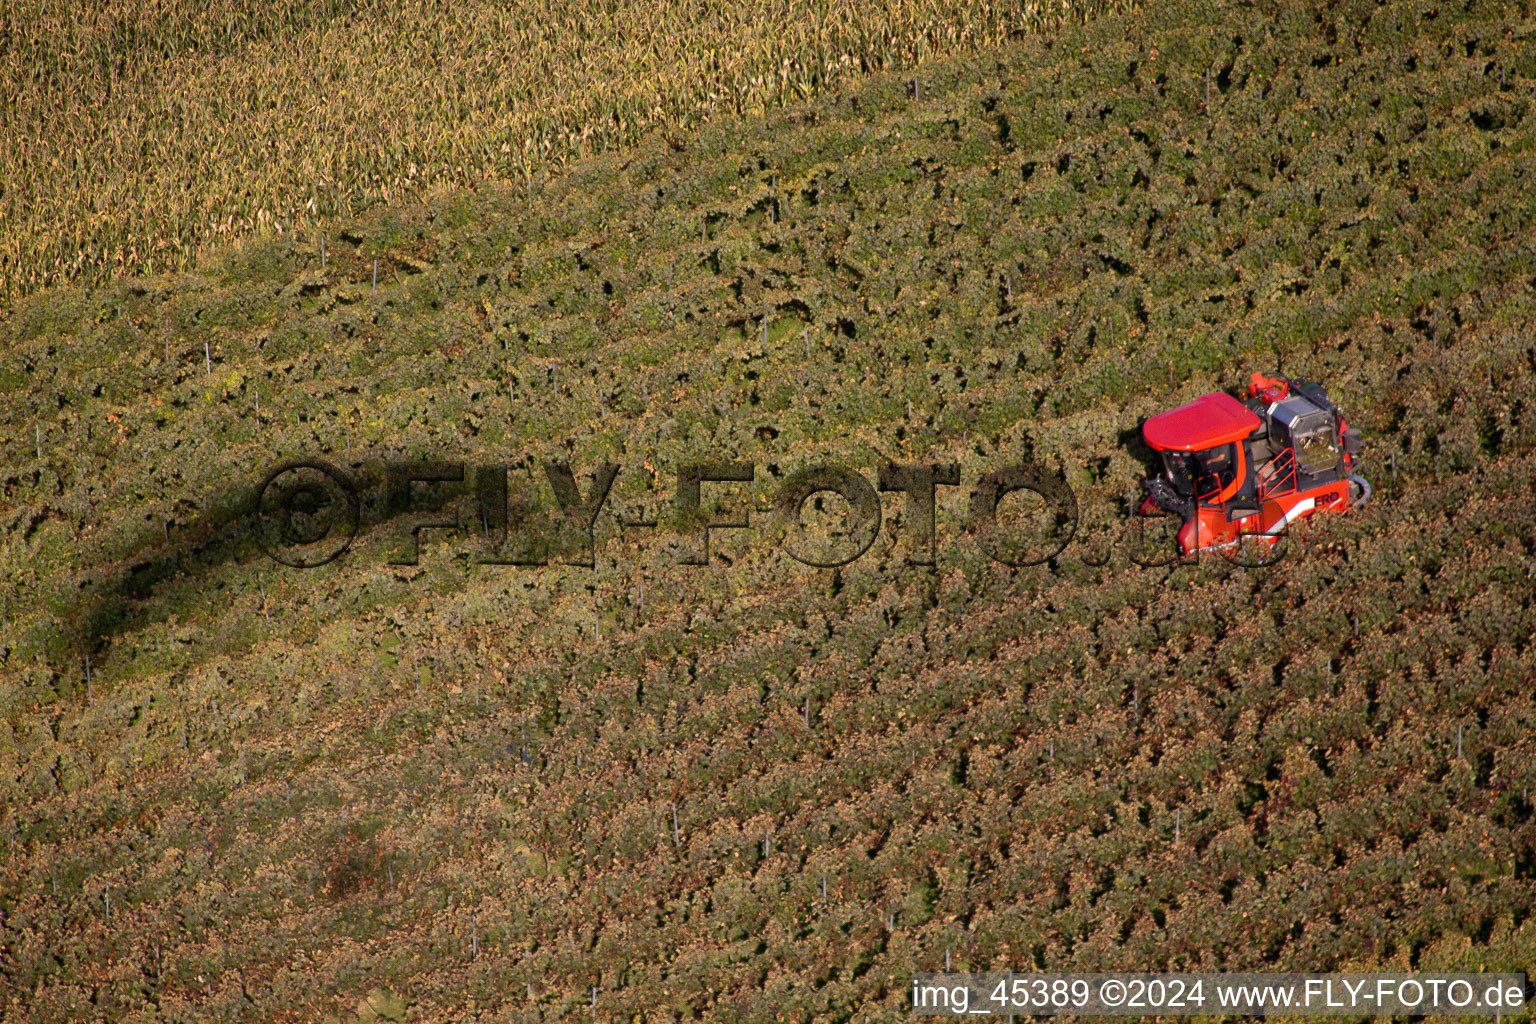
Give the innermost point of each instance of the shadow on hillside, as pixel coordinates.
(1136, 445)
(304, 514)
(291, 521)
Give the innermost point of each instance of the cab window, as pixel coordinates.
(1220, 464)
(1182, 470)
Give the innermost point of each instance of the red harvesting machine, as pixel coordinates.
(1236, 469)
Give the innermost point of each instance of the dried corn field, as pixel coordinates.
(135, 133)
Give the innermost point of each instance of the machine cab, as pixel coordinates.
(1202, 447)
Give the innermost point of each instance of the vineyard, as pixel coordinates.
(644, 789)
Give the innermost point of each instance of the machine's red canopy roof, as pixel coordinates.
(1208, 421)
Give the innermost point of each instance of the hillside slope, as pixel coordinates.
(757, 789)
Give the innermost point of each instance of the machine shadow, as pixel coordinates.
(145, 586)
